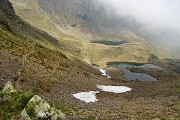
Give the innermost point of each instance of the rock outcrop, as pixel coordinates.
(8, 89)
(24, 115)
(37, 108)
(8, 92)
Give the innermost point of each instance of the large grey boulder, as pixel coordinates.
(37, 108)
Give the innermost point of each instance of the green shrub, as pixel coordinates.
(30, 110)
(23, 98)
(15, 105)
(66, 110)
(5, 25)
(1, 94)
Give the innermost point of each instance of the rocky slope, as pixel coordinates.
(34, 107)
(37, 64)
(90, 17)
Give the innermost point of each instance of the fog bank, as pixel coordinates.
(159, 13)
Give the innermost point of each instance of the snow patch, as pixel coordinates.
(114, 89)
(104, 73)
(86, 96)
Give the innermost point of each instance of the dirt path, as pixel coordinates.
(24, 59)
(24, 69)
(25, 56)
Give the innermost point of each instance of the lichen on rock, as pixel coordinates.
(37, 108)
(56, 114)
(24, 115)
(8, 89)
(8, 92)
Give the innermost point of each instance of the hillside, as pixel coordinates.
(40, 63)
(76, 23)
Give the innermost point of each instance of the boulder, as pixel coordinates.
(56, 114)
(8, 89)
(24, 115)
(38, 106)
(8, 92)
(40, 109)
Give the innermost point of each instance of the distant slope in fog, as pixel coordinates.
(74, 22)
(88, 16)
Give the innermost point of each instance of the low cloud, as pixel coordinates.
(160, 19)
(153, 13)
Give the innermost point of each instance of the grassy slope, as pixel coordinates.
(24, 60)
(43, 70)
(31, 12)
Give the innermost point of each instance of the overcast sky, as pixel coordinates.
(154, 13)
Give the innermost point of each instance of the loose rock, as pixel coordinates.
(24, 115)
(9, 89)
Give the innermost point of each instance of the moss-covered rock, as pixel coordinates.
(24, 115)
(56, 114)
(8, 92)
(37, 108)
(8, 89)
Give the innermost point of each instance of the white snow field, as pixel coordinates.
(114, 89)
(104, 73)
(86, 96)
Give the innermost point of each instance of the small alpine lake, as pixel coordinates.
(134, 76)
(107, 42)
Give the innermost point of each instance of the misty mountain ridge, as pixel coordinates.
(93, 20)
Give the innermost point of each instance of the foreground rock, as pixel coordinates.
(8, 89)
(8, 92)
(37, 108)
(24, 115)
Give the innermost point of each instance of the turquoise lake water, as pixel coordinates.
(134, 76)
